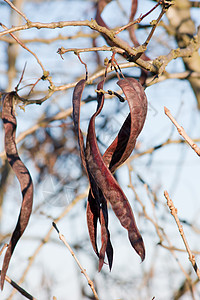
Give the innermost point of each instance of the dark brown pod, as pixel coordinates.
(23, 175)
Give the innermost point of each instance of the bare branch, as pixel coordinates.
(19, 288)
(3, 248)
(60, 37)
(182, 132)
(48, 235)
(94, 49)
(132, 52)
(83, 271)
(180, 228)
(138, 20)
(162, 61)
(45, 73)
(17, 10)
(155, 24)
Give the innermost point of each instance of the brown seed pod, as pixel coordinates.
(100, 169)
(23, 175)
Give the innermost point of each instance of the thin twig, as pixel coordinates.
(172, 248)
(91, 49)
(187, 276)
(155, 24)
(182, 132)
(3, 248)
(17, 10)
(90, 282)
(85, 65)
(147, 216)
(138, 20)
(19, 288)
(60, 37)
(47, 237)
(180, 227)
(159, 230)
(21, 78)
(132, 52)
(45, 73)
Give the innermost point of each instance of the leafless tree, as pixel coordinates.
(54, 53)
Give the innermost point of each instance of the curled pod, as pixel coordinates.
(22, 174)
(100, 168)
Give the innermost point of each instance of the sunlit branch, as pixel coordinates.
(132, 52)
(154, 24)
(83, 271)
(60, 37)
(17, 10)
(180, 228)
(45, 73)
(182, 132)
(92, 49)
(138, 20)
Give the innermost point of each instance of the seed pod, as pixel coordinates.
(100, 169)
(23, 176)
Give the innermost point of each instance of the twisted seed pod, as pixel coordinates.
(22, 173)
(111, 190)
(96, 204)
(100, 169)
(122, 146)
(99, 199)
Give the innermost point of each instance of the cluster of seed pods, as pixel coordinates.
(100, 168)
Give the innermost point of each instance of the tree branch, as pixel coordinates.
(19, 288)
(48, 235)
(180, 227)
(182, 132)
(83, 271)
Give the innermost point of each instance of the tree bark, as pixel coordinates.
(184, 29)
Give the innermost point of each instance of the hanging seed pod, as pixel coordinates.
(22, 174)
